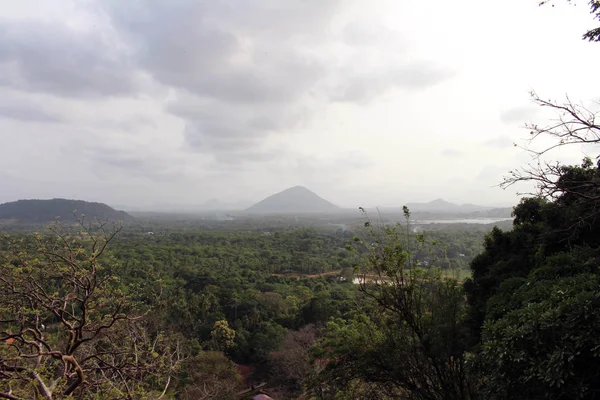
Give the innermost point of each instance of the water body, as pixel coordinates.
(460, 221)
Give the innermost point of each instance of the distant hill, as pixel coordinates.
(43, 211)
(442, 206)
(443, 209)
(297, 199)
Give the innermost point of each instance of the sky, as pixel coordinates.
(167, 104)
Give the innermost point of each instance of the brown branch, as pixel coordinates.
(9, 396)
(80, 375)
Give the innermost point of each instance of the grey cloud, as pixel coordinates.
(363, 88)
(207, 48)
(240, 68)
(52, 58)
(331, 167)
(243, 69)
(518, 114)
(218, 128)
(366, 33)
(27, 114)
(132, 123)
(134, 163)
(227, 141)
(235, 158)
(452, 153)
(289, 17)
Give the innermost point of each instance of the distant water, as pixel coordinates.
(461, 221)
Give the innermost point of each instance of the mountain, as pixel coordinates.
(442, 206)
(43, 211)
(297, 199)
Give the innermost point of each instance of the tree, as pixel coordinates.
(66, 328)
(593, 35)
(209, 375)
(406, 339)
(574, 125)
(222, 335)
(541, 338)
(534, 293)
(291, 363)
(575, 186)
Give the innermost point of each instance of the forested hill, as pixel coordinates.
(40, 211)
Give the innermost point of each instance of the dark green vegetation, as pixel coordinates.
(200, 299)
(45, 211)
(536, 290)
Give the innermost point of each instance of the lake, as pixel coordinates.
(460, 221)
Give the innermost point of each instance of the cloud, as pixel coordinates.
(53, 58)
(217, 128)
(452, 153)
(242, 73)
(216, 50)
(133, 163)
(363, 88)
(520, 115)
(202, 98)
(370, 33)
(27, 114)
(500, 142)
(131, 123)
(238, 72)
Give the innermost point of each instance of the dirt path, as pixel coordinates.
(298, 276)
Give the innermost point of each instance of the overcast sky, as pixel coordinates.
(147, 103)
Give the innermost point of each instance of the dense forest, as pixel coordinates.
(233, 301)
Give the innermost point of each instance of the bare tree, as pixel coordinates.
(291, 363)
(574, 125)
(66, 328)
(209, 375)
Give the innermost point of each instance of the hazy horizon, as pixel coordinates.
(215, 204)
(242, 205)
(142, 105)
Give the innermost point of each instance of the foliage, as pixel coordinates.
(548, 346)
(66, 328)
(249, 294)
(209, 375)
(407, 339)
(534, 290)
(222, 335)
